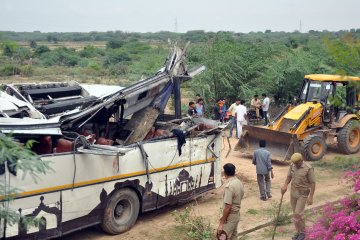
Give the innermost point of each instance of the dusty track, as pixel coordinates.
(160, 224)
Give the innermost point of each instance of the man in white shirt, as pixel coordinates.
(265, 108)
(241, 114)
(232, 109)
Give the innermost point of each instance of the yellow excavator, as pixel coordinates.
(326, 112)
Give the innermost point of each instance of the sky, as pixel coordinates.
(180, 16)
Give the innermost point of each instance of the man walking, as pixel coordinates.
(241, 113)
(232, 109)
(265, 108)
(233, 193)
(302, 178)
(262, 161)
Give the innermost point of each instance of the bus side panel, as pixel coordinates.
(46, 207)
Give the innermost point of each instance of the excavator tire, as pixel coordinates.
(314, 148)
(349, 137)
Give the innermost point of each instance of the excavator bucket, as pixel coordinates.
(280, 144)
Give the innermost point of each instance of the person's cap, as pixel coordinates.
(296, 157)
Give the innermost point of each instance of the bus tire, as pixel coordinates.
(349, 137)
(121, 211)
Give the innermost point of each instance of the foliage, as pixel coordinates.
(39, 50)
(113, 44)
(252, 211)
(9, 48)
(33, 44)
(196, 226)
(9, 70)
(60, 56)
(91, 52)
(284, 216)
(342, 221)
(342, 163)
(115, 57)
(18, 159)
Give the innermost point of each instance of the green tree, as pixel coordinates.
(113, 44)
(15, 157)
(9, 48)
(33, 44)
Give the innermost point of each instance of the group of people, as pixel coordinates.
(236, 118)
(261, 108)
(300, 175)
(197, 109)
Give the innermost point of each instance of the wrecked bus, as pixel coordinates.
(113, 153)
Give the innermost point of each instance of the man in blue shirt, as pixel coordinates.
(262, 161)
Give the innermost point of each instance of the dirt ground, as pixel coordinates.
(161, 225)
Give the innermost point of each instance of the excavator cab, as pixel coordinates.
(327, 112)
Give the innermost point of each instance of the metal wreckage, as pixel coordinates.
(114, 153)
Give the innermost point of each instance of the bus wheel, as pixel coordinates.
(121, 211)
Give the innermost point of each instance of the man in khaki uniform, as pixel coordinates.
(233, 193)
(256, 105)
(302, 178)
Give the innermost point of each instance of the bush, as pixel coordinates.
(115, 57)
(118, 69)
(91, 52)
(23, 53)
(197, 227)
(26, 71)
(9, 70)
(60, 56)
(94, 65)
(113, 44)
(41, 50)
(33, 44)
(9, 48)
(341, 221)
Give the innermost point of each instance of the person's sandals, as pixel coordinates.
(269, 195)
(263, 198)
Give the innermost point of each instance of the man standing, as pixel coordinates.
(232, 109)
(265, 108)
(233, 193)
(241, 112)
(223, 110)
(256, 105)
(302, 178)
(262, 161)
(218, 110)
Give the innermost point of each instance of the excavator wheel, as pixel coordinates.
(349, 137)
(314, 148)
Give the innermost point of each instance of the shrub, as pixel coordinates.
(60, 56)
(115, 57)
(33, 44)
(113, 44)
(23, 53)
(26, 71)
(9, 48)
(118, 69)
(9, 70)
(41, 50)
(91, 52)
(197, 227)
(341, 221)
